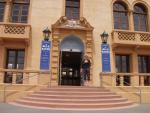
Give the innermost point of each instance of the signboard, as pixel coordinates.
(45, 55)
(105, 58)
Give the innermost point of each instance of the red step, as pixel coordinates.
(74, 98)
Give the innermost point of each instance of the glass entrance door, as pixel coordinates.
(15, 60)
(70, 68)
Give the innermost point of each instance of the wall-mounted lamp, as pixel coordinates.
(46, 34)
(104, 37)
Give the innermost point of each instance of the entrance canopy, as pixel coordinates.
(72, 43)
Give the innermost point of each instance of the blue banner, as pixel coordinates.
(105, 58)
(45, 55)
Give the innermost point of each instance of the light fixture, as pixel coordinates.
(104, 37)
(46, 34)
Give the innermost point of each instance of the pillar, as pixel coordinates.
(1, 61)
(113, 77)
(55, 59)
(1, 77)
(134, 65)
(89, 52)
(14, 75)
(7, 11)
(131, 21)
(142, 80)
(121, 81)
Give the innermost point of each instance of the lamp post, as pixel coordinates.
(104, 37)
(46, 34)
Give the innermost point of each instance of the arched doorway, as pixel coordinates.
(71, 52)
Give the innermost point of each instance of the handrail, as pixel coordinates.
(115, 74)
(6, 86)
(137, 88)
(18, 71)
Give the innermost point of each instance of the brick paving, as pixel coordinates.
(6, 108)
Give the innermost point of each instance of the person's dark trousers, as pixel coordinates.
(85, 75)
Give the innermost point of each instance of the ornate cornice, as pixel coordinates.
(65, 23)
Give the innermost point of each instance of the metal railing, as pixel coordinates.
(115, 78)
(137, 88)
(35, 72)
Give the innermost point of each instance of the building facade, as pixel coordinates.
(75, 27)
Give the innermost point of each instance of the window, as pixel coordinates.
(2, 9)
(15, 60)
(120, 13)
(146, 80)
(122, 63)
(140, 18)
(123, 66)
(20, 11)
(73, 9)
(144, 64)
(144, 67)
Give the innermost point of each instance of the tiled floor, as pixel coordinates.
(6, 108)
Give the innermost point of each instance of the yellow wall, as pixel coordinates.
(97, 12)
(44, 13)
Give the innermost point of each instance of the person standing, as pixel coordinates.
(85, 70)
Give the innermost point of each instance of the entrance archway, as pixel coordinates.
(71, 51)
(60, 29)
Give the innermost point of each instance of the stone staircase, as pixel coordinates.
(74, 97)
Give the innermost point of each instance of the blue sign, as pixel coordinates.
(105, 58)
(45, 55)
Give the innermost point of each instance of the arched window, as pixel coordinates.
(140, 18)
(72, 9)
(120, 13)
(20, 11)
(2, 9)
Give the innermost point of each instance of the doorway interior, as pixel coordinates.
(71, 51)
(70, 63)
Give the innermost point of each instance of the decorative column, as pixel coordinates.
(55, 59)
(113, 78)
(131, 22)
(1, 61)
(14, 76)
(135, 77)
(28, 51)
(141, 80)
(121, 81)
(7, 11)
(1, 55)
(1, 77)
(89, 52)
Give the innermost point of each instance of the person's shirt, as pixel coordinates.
(86, 63)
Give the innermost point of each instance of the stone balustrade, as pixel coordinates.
(125, 79)
(34, 77)
(130, 38)
(15, 31)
